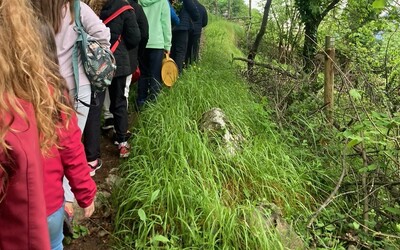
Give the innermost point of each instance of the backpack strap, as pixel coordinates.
(117, 13)
(75, 51)
(112, 17)
(116, 44)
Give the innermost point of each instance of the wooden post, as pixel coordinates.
(329, 74)
(249, 11)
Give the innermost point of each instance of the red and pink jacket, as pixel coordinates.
(69, 160)
(23, 210)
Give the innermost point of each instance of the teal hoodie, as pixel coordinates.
(159, 19)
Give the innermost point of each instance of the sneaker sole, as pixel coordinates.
(93, 172)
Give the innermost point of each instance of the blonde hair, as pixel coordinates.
(24, 73)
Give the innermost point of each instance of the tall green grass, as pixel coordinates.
(179, 191)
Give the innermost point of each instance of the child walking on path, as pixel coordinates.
(67, 157)
(187, 14)
(159, 18)
(134, 55)
(125, 30)
(196, 27)
(28, 107)
(59, 13)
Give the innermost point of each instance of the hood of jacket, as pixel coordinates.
(146, 3)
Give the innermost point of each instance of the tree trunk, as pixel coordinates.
(248, 28)
(261, 32)
(310, 45)
(312, 20)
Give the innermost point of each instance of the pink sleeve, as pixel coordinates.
(76, 168)
(94, 26)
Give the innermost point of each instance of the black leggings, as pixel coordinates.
(92, 131)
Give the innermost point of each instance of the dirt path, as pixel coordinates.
(100, 224)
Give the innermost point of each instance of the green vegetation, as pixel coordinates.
(181, 190)
(78, 232)
(359, 151)
(335, 183)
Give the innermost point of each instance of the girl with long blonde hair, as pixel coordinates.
(29, 106)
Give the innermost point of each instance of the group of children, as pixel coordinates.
(50, 126)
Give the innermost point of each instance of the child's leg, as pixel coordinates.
(55, 225)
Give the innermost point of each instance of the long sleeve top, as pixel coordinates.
(22, 210)
(126, 26)
(66, 37)
(202, 22)
(187, 14)
(69, 160)
(158, 15)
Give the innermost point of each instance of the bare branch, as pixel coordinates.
(329, 7)
(268, 66)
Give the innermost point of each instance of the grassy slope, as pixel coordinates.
(179, 191)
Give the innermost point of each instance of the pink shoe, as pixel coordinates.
(96, 167)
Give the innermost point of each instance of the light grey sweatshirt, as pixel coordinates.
(66, 37)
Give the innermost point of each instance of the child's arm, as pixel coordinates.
(73, 158)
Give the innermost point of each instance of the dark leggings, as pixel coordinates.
(149, 84)
(92, 131)
(179, 47)
(119, 107)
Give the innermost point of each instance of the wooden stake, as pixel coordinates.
(329, 77)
